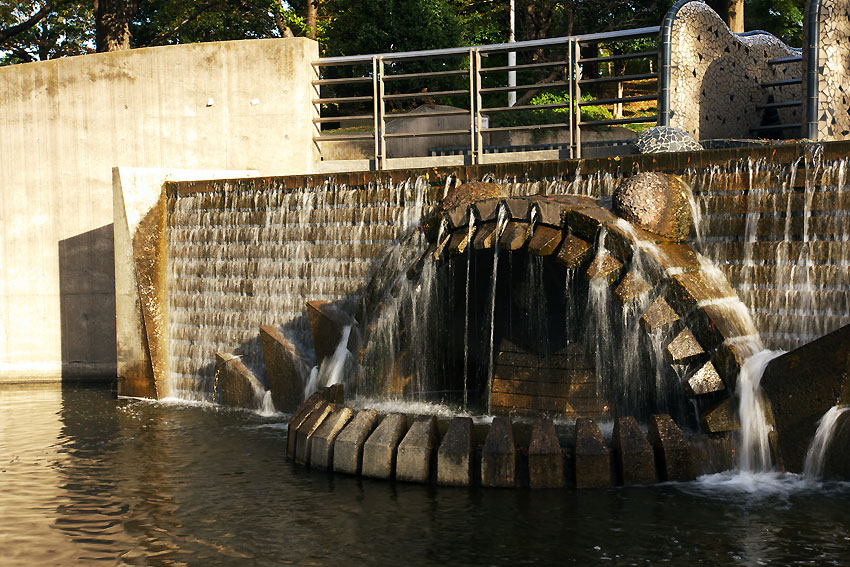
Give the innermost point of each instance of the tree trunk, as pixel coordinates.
(312, 16)
(112, 24)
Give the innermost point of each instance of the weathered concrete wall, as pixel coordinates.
(716, 77)
(65, 123)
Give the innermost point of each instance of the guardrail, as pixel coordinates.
(473, 98)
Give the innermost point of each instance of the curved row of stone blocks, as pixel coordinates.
(325, 434)
(706, 331)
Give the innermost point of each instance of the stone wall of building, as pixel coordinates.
(828, 57)
(716, 77)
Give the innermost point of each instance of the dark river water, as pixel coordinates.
(86, 479)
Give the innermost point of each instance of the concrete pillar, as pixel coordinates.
(304, 433)
(379, 451)
(673, 456)
(309, 406)
(322, 446)
(498, 457)
(545, 458)
(454, 458)
(416, 450)
(592, 459)
(634, 456)
(348, 447)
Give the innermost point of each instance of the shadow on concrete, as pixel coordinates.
(87, 306)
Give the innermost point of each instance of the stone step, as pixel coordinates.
(545, 375)
(275, 234)
(287, 268)
(818, 276)
(545, 389)
(774, 227)
(779, 202)
(330, 248)
(254, 287)
(502, 403)
(816, 252)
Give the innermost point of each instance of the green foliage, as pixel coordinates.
(68, 29)
(782, 18)
(589, 113)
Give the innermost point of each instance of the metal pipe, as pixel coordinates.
(810, 55)
(512, 56)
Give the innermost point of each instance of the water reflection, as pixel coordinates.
(90, 480)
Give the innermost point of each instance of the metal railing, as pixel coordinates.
(360, 99)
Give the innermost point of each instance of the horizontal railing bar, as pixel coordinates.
(619, 57)
(517, 46)
(342, 118)
(430, 74)
(617, 100)
(427, 94)
(427, 114)
(781, 60)
(526, 107)
(786, 104)
(342, 99)
(775, 127)
(782, 83)
(524, 87)
(485, 70)
(530, 127)
(417, 134)
(615, 121)
(342, 137)
(343, 81)
(620, 79)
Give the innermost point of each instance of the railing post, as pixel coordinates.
(478, 149)
(573, 102)
(317, 111)
(381, 114)
(576, 74)
(375, 115)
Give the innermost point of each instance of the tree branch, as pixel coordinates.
(12, 31)
(168, 34)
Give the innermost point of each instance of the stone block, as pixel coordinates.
(322, 446)
(659, 316)
(486, 210)
(326, 325)
(235, 384)
(498, 456)
(460, 241)
(334, 394)
(545, 458)
(545, 241)
(801, 386)
(592, 458)
(458, 216)
(704, 381)
(286, 369)
(515, 235)
(550, 213)
(441, 246)
(348, 447)
(604, 266)
(473, 192)
(713, 453)
(631, 287)
(518, 208)
(586, 222)
(673, 456)
(380, 449)
(712, 324)
(416, 451)
(574, 252)
(720, 417)
(454, 457)
(690, 289)
(311, 404)
(634, 455)
(304, 433)
(684, 348)
(836, 463)
(485, 236)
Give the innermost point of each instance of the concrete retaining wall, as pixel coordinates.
(65, 123)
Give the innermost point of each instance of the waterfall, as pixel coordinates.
(753, 444)
(813, 464)
(501, 223)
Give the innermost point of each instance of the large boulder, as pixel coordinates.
(656, 202)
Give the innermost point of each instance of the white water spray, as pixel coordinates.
(813, 464)
(754, 445)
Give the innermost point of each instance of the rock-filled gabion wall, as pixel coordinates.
(716, 77)
(828, 58)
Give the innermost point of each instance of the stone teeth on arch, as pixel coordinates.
(659, 315)
(574, 252)
(684, 348)
(604, 266)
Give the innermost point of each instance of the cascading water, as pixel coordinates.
(240, 258)
(754, 444)
(815, 456)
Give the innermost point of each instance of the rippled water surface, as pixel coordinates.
(86, 479)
